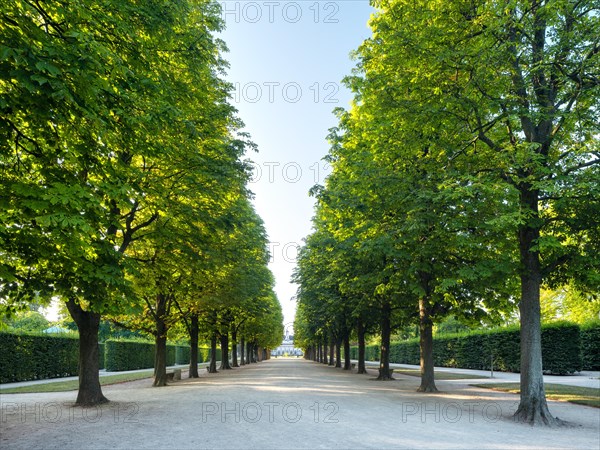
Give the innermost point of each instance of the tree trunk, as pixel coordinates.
(212, 367)
(360, 330)
(384, 357)
(338, 352)
(225, 351)
(160, 357)
(248, 353)
(234, 353)
(193, 373)
(426, 347)
(533, 408)
(160, 341)
(331, 351)
(325, 361)
(347, 361)
(242, 348)
(88, 323)
(258, 354)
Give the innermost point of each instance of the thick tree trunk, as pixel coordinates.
(193, 373)
(242, 348)
(533, 408)
(386, 331)
(331, 351)
(426, 347)
(248, 353)
(360, 330)
(347, 361)
(90, 391)
(212, 367)
(338, 352)
(325, 358)
(225, 351)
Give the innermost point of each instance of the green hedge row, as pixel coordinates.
(123, 354)
(102, 354)
(565, 349)
(26, 357)
(590, 345)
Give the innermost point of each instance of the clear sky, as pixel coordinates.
(287, 61)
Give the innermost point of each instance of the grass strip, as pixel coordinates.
(73, 385)
(439, 375)
(564, 393)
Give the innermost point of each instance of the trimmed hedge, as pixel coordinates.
(28, 356)
(182, 354)
(560, 349)
(124, 354)
(101, 354)
(25, 357)
(129, 354)
(590, 345)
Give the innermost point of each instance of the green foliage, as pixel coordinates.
(450, 325)
(569, 303)
(26, 357)
(28, 321)
(590, 345)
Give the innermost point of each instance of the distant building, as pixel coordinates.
(57, 329)
(287, 347)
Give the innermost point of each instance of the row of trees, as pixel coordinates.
(465, 178)
(123, 185)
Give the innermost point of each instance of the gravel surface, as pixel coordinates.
(287, 403)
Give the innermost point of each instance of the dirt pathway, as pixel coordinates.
(286, 404)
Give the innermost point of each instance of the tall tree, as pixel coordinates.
(522, 78)
(100, 99)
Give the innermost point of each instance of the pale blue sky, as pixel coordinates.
(287, 60)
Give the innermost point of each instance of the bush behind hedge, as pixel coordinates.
(561, 344)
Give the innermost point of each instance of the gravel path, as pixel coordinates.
(287, 403)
